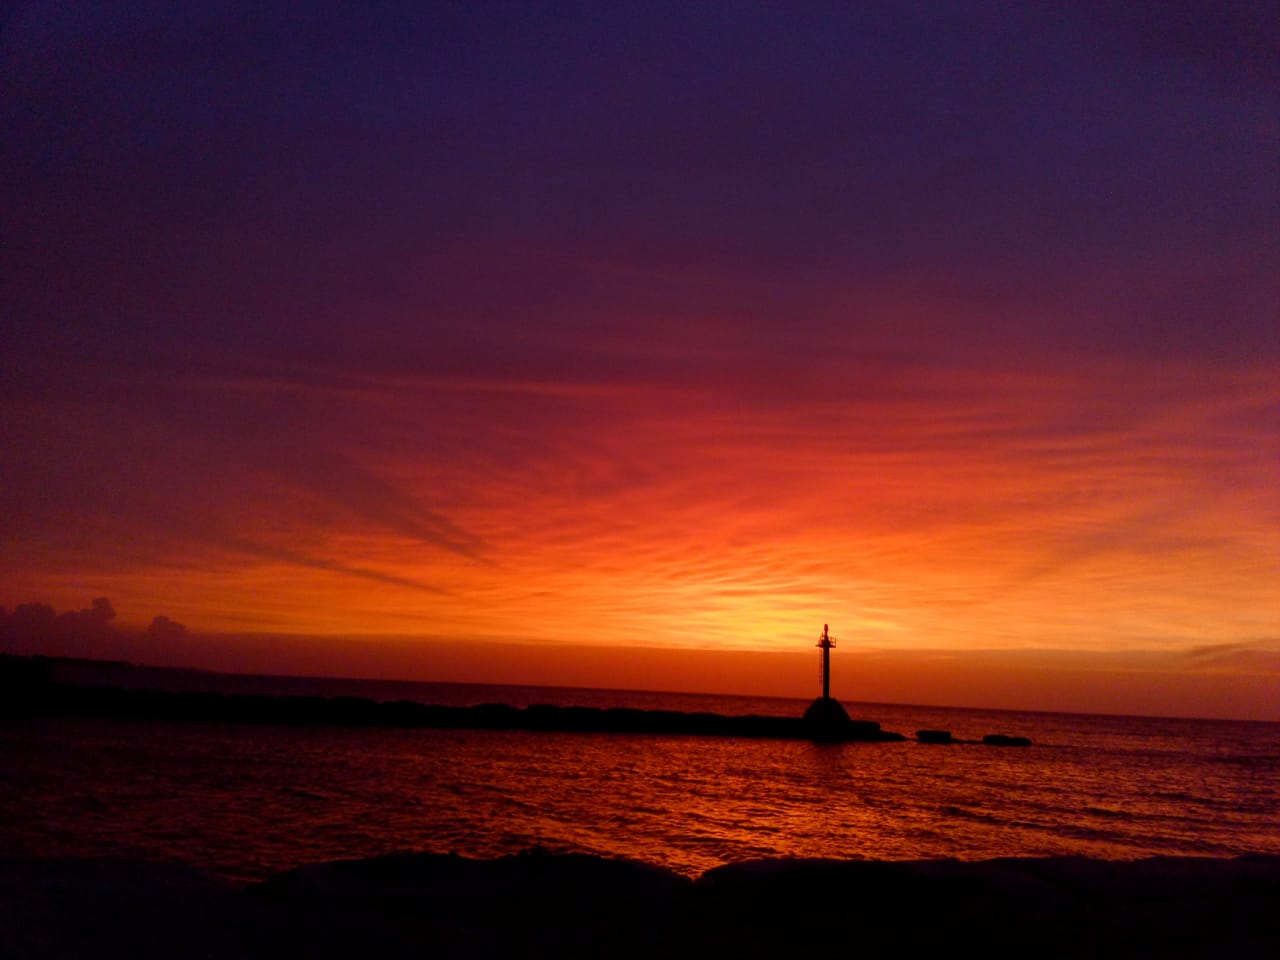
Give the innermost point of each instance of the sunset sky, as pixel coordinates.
(627, 344)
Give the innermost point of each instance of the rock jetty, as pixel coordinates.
(125, 703)
(29, 687)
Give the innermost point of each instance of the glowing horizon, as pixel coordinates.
(525, 349)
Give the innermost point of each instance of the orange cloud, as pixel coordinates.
(935, 509)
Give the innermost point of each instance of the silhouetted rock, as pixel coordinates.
(493, 716)
(826, 711)
(24, 682)
(67, 908)
(535, 872)
(934, 736)
(544, 904)
(826, 720)
(1004, 740)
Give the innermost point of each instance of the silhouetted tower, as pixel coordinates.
(826, 718)
(825, 643)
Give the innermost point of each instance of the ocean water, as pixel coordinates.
(242, 802)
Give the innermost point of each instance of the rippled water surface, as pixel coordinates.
(245, 801)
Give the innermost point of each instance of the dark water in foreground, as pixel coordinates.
(245, 801)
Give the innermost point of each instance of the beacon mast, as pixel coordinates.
(826, 718)
(825, 643)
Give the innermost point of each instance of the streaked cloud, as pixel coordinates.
(681, 333)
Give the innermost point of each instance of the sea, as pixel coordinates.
(241, 802)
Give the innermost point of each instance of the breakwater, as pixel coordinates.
(37, 686)
(126, 703)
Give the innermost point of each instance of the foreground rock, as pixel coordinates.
(109, 908)
(551, 905)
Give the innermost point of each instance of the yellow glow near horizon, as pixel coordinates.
(986, 526)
